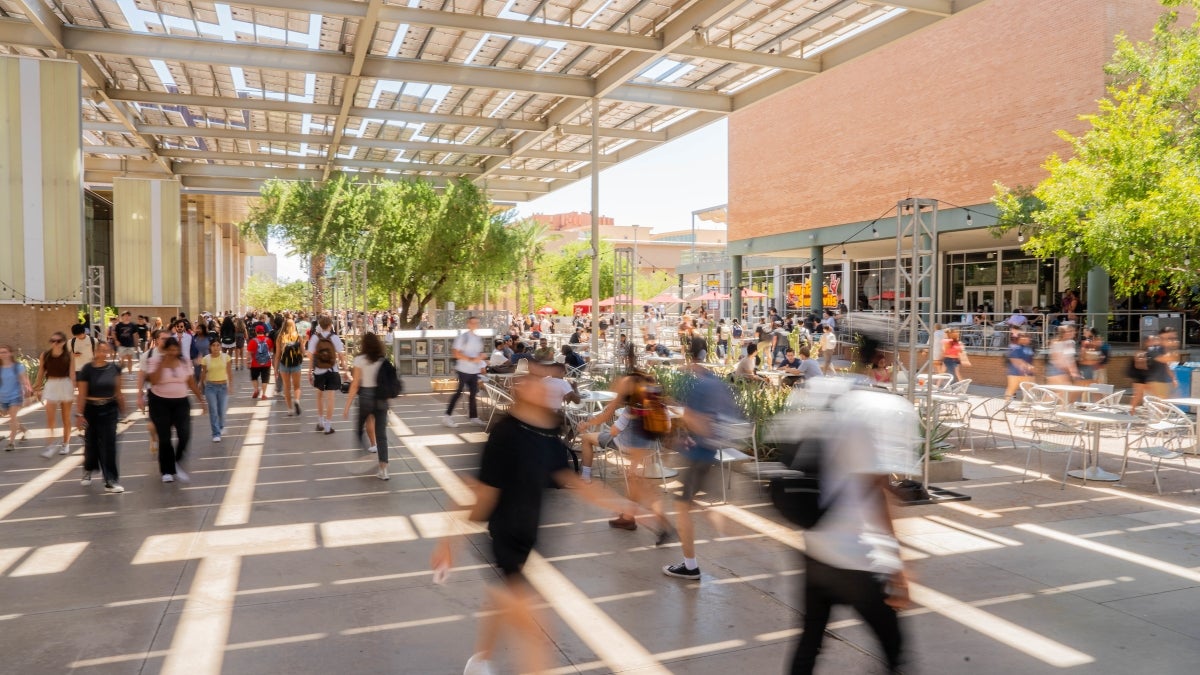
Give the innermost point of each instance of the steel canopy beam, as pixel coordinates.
(366, 29)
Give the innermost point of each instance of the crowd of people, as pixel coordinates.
(81, 381)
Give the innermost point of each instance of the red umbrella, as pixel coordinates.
(548, 310)
(750, 294)
(664, 298)
(711, 295)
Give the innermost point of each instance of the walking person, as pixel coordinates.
(239, 343)
(216, 377)
(289, 355)
(522, 456)
(101, 405)
(852, 556)
(326, 353)
(469, 362)
(261, 350)
(228, 335)
(125, 334)
(953, 353)
(170, 377)
(372, 409)
(1061, 367)
(56, 387)
(1020, 364)
(708, 405)
(828, 345)
(14, 389)
(158, 337)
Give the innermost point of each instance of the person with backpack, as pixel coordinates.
(327, 353)
(200, 342)
(260, 351)
(216, 375)
(639, 399)
(372, 407)
(852, 555)
(82, 347)
(289, 355)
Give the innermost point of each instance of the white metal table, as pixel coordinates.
(1095, 420)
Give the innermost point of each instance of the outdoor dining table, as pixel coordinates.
(774, 376)
(595, 400)
(1063, 390)
(664, 359)
(1095, 420)
(1189, 403)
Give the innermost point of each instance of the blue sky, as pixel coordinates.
(660, 188)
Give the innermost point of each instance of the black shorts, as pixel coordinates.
(327, 381)
(696, 478)
(511, 553)
(260, 373)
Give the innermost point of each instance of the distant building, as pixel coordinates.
(265, 266)
(557, 222)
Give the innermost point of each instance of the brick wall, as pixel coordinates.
(28, 329)
(942, 113)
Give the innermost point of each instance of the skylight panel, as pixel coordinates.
(667, 70)
(861, 28)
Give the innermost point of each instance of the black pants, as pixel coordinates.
(826, 586)
(100, 439)
(471, 382)
(167, 414)
(369, 405)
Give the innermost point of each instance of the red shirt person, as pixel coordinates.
(261, 350)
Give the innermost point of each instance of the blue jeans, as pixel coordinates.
(217, 396)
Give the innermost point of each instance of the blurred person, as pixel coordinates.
(572, 359)
(1160, 378)
(372, 409)
(697, 346)
(158, 337)
(289, 359)
(170, 376)
(1019, 364)
(260, 350)
(634, 391)
(558, 390)
(216, 376)
(239, 343)
(707, 406)
(56, 387)
(544, 351)
(954, 354)
(522, 455)
(1090, 356)
(852, 556)
(1139, 371)
(828, 344)
(101, 405)
(14, 389)
(468, 353)
(1061, 367)
(937, 349)
(228, 335)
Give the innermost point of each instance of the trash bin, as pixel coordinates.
(1183, 375)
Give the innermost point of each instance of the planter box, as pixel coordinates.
(445, 384)
(945, 470)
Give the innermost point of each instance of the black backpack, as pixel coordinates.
(797, 493)
(387, 381)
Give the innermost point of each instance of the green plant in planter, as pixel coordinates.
(938, 444)
(759, 404)
(32, 365)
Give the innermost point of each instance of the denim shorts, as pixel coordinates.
(289, 369)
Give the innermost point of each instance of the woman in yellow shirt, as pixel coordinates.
(216, 374)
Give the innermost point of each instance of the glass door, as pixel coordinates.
(980, 296)
(1022, 297)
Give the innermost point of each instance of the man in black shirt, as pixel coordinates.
(125, 333)
(522, 455)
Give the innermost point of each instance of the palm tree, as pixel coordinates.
(531, 238)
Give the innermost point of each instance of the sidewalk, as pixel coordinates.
(286, 554)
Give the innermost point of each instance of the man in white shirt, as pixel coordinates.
(558, 389)
(1017, 318)
(469, 362)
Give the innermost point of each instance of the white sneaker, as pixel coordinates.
(449, 421)
(64, 449)
(49, 451)
(478, 422)
(87, 478)
(216, 439)
(181, 474)
(114, 488)
(168, 478)
(382, 475)
(477, 665)
(373, 449)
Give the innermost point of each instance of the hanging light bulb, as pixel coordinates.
(969, 221)
(1020, 236)
(874, 232)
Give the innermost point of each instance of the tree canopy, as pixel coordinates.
(419, 243)
(1128, 198)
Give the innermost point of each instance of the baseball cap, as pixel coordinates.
(261, 330)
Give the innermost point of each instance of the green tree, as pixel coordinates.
(570, 271)
(317, 219)
(262, 293)
(1128, 197)
(529, 239)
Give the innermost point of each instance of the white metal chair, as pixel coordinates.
(500, 400)
(1040, 402)
(1053, 437)
(1162, 438)
(940, 380)
(956, 416)
(959, 387)
(994, 411)
(740, 434)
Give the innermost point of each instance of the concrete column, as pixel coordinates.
(192, 254)
(208, 266)
(147, 264)
(817, 279)
(1097, 299)
(234, 256)
(735, 287)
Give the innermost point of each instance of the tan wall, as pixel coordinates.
(943, 114)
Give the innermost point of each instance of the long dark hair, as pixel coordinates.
(372, 347)
(227, 329)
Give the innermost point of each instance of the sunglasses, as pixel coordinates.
(56, 341)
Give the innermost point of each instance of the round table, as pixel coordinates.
(594, 400)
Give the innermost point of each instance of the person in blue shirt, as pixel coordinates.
(1020, 364)
(708, 404)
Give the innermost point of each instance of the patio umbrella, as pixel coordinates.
(549, 310)
(751, 294)
(620, 300)
(584, 306)
(711, 295)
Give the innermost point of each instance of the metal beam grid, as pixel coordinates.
(489, 89)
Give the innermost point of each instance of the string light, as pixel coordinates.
(45, 305)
